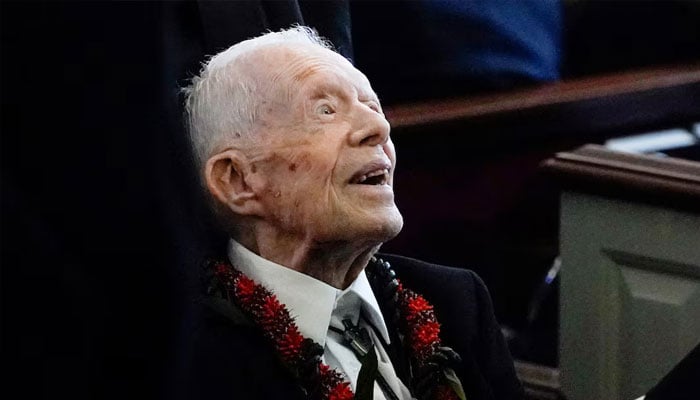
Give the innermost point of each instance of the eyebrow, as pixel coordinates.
(363, 96)
(324, 90)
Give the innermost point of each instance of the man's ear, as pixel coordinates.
(226, 176)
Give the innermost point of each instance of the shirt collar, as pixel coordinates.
(310, 301)
(370, 306)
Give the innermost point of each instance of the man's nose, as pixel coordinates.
(372, 128)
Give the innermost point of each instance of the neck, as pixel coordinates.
(336, 263)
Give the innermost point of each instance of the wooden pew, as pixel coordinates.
(468, 168)
(469, 182)
(581, 110)
(630, 276)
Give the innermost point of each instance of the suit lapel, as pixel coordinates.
(395, 350)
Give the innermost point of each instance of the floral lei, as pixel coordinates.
(418, 327)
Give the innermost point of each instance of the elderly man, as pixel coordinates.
(295, 154)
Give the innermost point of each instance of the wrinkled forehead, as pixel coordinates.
(286, 68)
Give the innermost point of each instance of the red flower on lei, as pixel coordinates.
(422, 332)
(276, 323)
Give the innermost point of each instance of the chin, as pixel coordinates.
(394, 227)
(387, 228)
(375, 228)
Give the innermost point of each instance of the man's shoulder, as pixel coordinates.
(459, 295)
(222, 355)
(422, 274)
(467, 324)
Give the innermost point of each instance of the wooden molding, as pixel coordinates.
(593, 168)
(567, 113)
(432, 112)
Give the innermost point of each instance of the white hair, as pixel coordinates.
(222, 102)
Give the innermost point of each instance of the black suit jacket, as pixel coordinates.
(225, 360)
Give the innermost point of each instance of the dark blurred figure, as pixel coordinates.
(423, 49)
(102, 224)
(612, 36)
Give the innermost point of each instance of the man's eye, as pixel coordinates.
(326, 109)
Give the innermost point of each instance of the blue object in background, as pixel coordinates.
(427, 48)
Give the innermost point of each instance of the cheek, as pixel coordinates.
(298, 164)
(390, 150)
(311, 160)
(299, 176)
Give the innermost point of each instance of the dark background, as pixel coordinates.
(102, 225)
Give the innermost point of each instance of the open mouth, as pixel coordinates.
(374, 177)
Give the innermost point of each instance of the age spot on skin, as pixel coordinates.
(292, 167)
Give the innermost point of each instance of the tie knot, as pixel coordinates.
(357, 337)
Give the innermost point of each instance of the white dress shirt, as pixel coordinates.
(315, 305)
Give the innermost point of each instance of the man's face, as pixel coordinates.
(325, 153)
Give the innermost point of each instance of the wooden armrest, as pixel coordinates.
(593, 168)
